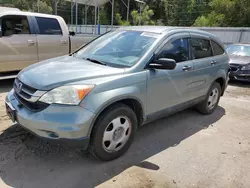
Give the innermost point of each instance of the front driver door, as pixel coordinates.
(168, 88)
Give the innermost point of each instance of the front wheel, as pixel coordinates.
(113, 132)
(211, 102)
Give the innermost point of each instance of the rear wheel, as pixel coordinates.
(211, 102)
(113, 132)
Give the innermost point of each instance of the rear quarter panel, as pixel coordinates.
(222, 69)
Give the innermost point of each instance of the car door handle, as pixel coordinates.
(31, 42)
(64, 41)
(186, 68)
(213, 62)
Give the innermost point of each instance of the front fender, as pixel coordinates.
(97, 102)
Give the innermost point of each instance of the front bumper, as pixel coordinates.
(60, 123)
(240, 75)
(237, 74)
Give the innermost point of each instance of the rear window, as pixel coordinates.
(218, 50)
(48, 26)
(201, 48)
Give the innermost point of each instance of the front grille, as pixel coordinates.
(245, 72)
(32, 106)
(237, 68)
(234, 67)
(24, 94)
(25, 91)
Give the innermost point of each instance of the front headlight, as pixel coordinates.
(246, 67)
(72, 94)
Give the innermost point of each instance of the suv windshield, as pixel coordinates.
(239, 50)
(118, 48)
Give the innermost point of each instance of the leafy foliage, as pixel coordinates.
(145, 18)
(30, 5)
(119, 21)
(42, 6)
(235, 13)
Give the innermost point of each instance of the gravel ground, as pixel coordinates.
(184, 150)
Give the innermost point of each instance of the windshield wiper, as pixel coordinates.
(96, 61)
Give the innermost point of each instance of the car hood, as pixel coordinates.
(58, 71)
(242, 60)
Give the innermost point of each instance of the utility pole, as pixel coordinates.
(54, 5)
(76, 1)
(112, 19)
(127, 6)
(72, 6)
(128, 10)
(38, 2)
(140, 14)
(95, 17)
(141, 6)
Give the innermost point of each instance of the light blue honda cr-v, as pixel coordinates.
(99, 95)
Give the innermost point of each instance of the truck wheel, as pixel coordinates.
(211, 102)
(113, 132)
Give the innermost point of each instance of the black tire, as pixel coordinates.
(203, 106)
(96, 147)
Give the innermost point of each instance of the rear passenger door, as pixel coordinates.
(203, 63)
(52, 42)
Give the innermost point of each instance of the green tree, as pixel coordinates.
(104, 16)
(119, 21)
(233, 13)
(202, 21)
(177, 12)
(145, 18)
(212, 20)
(30, 5)
(43, 7)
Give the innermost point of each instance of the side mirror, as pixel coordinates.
(163, 63)
(72, 33)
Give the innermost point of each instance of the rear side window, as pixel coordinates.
(177, 50)
(48, 26)
(201, 48)
(218, 50)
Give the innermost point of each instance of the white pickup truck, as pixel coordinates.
(26, 38)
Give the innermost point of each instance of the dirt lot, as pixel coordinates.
(184, 150)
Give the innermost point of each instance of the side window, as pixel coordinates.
(177, 50)
(201, 48)
(12, 25)
(218, 50)
(48, 26)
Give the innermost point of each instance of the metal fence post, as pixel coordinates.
(241, 33)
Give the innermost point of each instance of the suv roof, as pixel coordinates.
(162, 29)
(166, 29)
